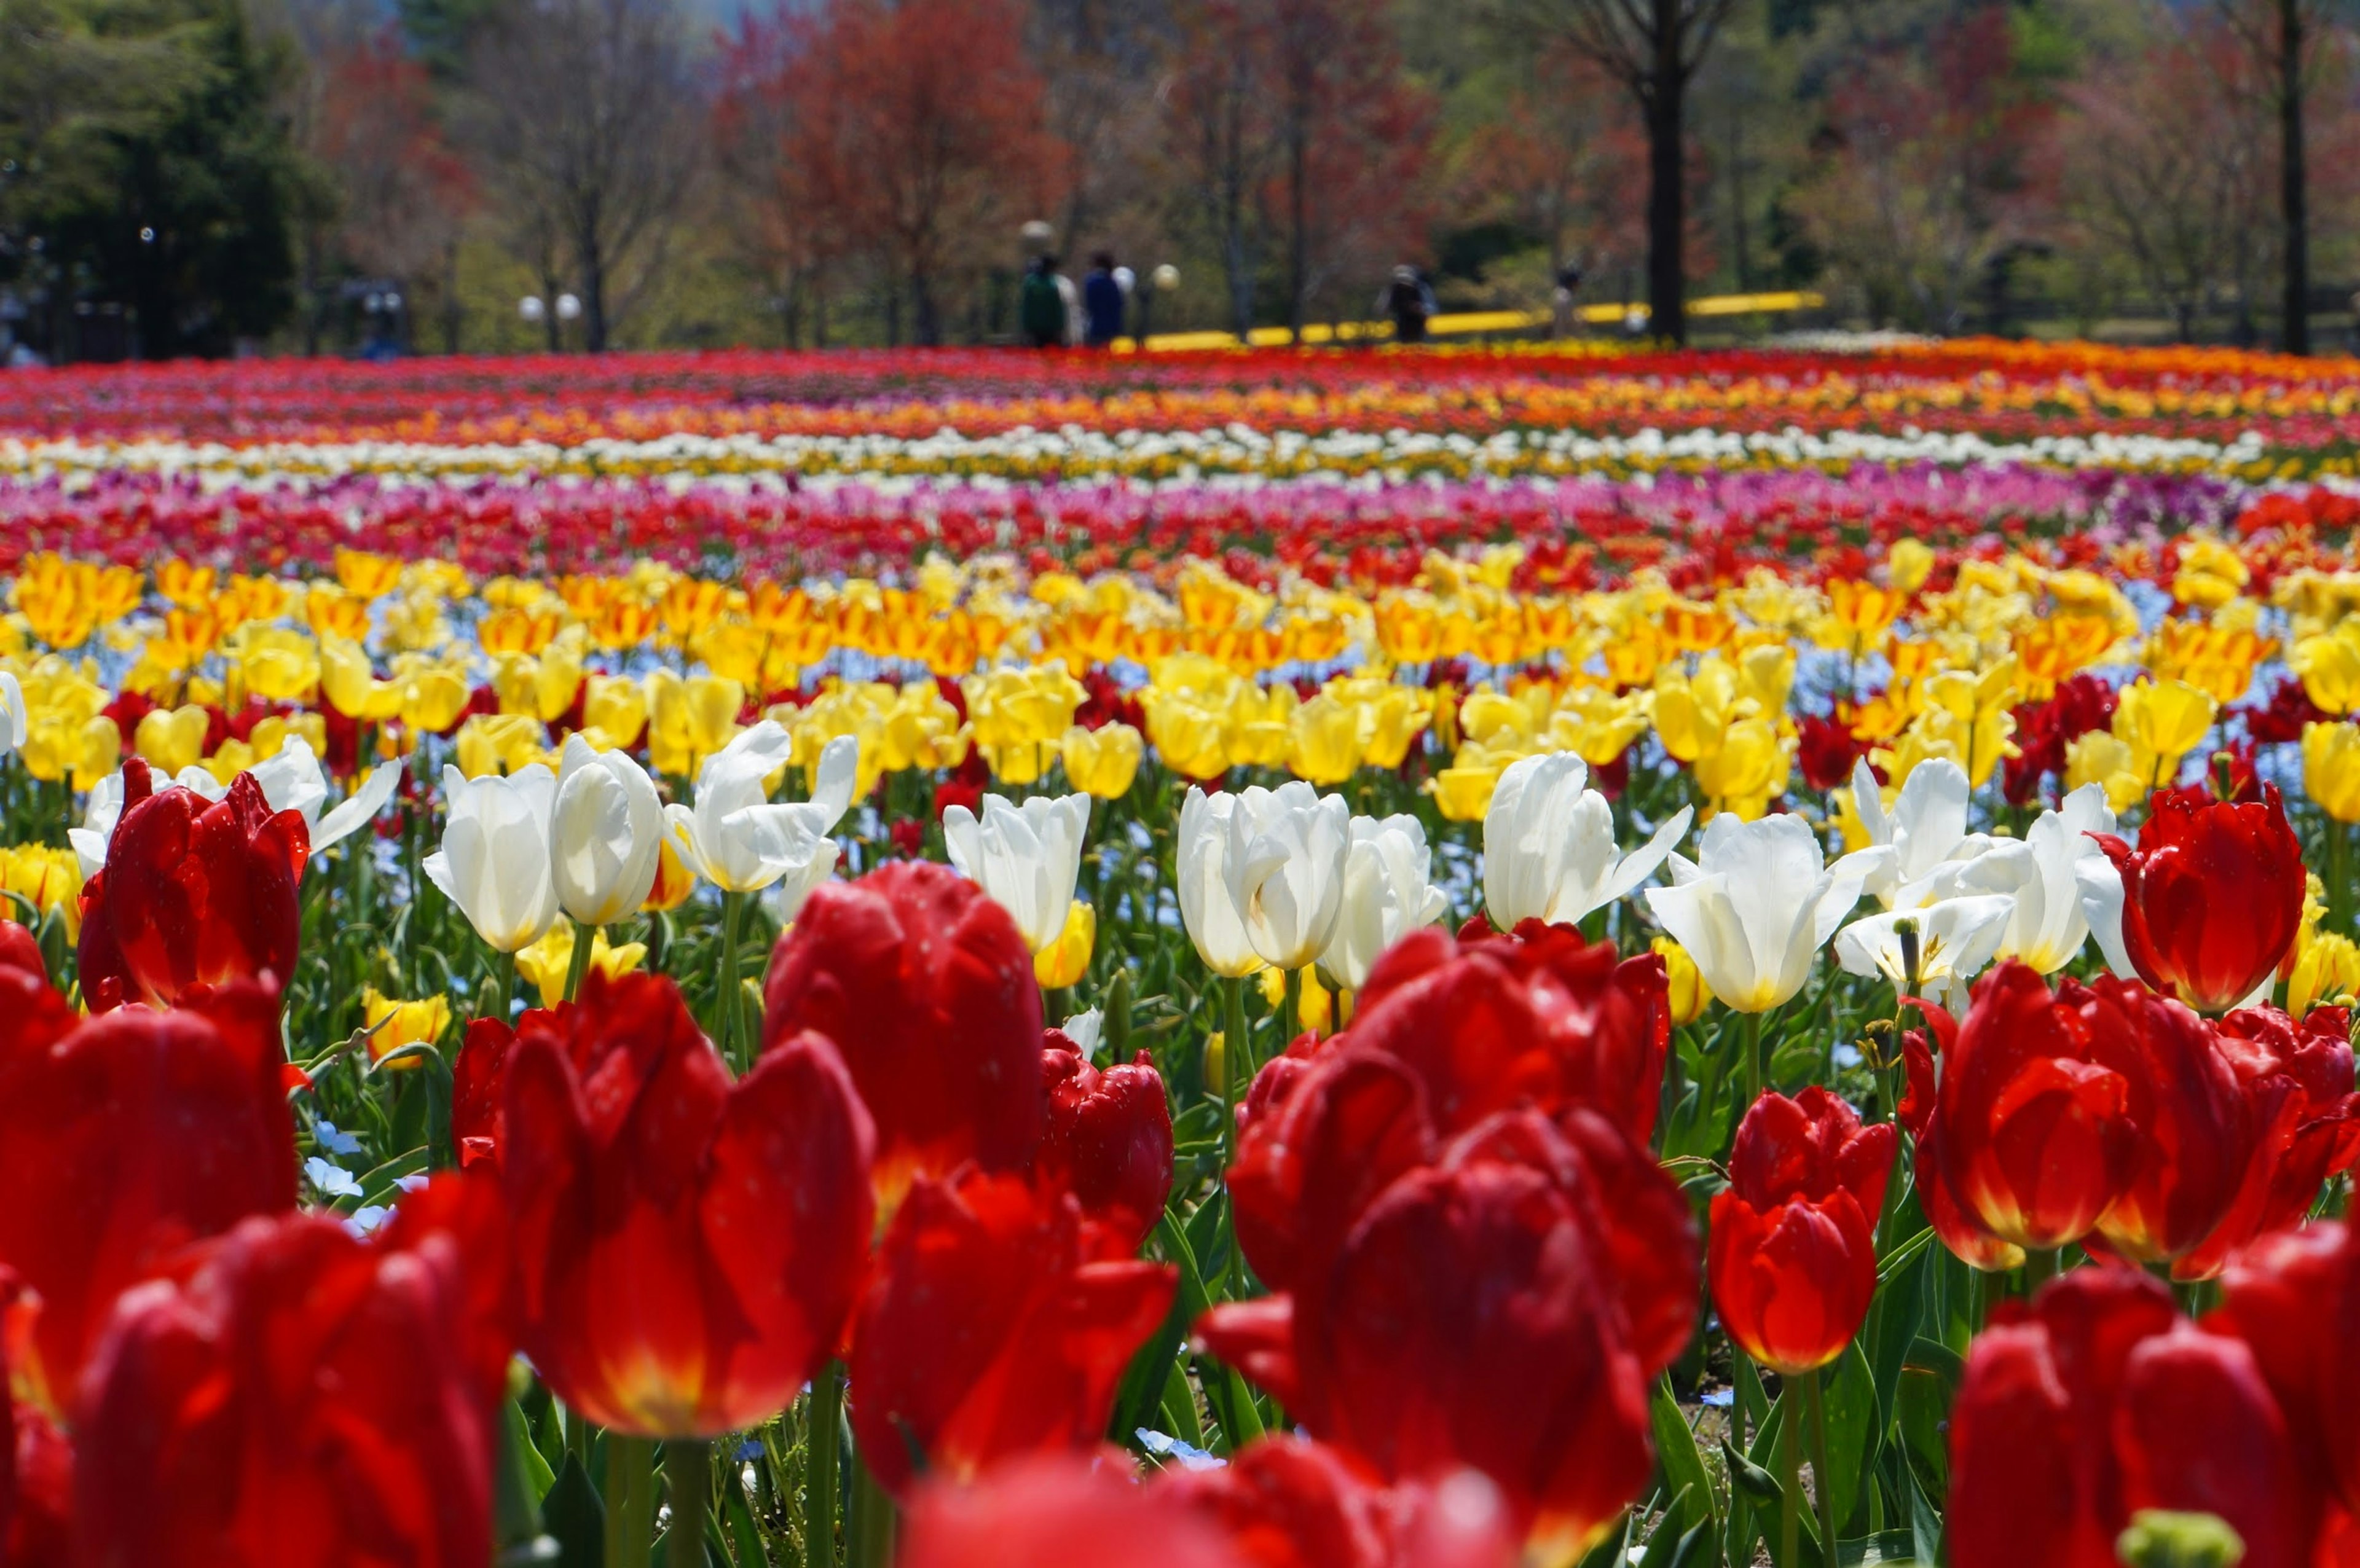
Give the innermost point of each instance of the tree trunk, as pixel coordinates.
(1298, 217)
(1667, 312)
(451, 298)
(929, 318)
(593, 299)
(2294, 199)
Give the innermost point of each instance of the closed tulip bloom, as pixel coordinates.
(2033, 1136)
(495, 861)
(2293, 1298)
(2212, 897)
(1289, 1502)
(687, 1248)
(2103, 1402)
(1026, 857)
(292, 1395)
(1102, 762)
(1285, 866)
(607, 831)
(2331, 768)
(1755, 911)
(1075, 1510)
(995, 1324)
(1107, 1139)
(1387, 894)
(2296, 1080)
(123, 1137)
(2196, 1129)
(193, 894)
(1793, 1254)
(1548, 845)
(1215, 924)
(925, 987)
(740, 839)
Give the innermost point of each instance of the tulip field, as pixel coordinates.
(1500, 958)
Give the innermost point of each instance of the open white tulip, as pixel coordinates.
(1756, 910)
(738, 839)
(1285, 869)
(291, 780)
(1913, 853)
(494, 862)
(605, 833)
(1027, 857)
(1549, 844)
(15, 723)
(2041, 873)
(1955, 939)
(1211, 915)
(2100, 887)
(1388, 893)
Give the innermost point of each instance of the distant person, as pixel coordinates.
(1569, 285)
(1102, 302)
(1041, 313)
(1410, 303)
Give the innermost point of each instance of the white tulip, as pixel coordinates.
(1083, 1029)
(1549, 844)
(1955, 939)
(494, 862)
(1754, 911)
(15, 723)
(1387, 894)
(2100, 887)
(738, 839)
(1285, 866)
(1214, 924)
(1027, 857)
(605, 833)
(2041, 873)
(1914, 854)
(291, 780)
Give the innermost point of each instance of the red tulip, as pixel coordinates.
(292, 1396)
(688, 1248)
(1916, 1112)
(2297, 1082)
(2033, 1136)
(1503, 1305)
(2294, 1298)
(20, 948)
(1287, 1503)
(1108, 1140)
(193, 893)
(36, 1469)
(1067, 1510)
(477, 1077)
(2103, 1402)
(1540, 1019)
(997, 1324)
(927, 988)
(124, 1137)
(2212, 897)
(1793, 1252)
(2196, 1135)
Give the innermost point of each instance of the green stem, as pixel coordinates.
(688, 1478)
(1748, 1393)
(2039, 1268)
(1293, 1002)
(1237, 1051)
(2339, 876)
(729, 1020)
(501, 991)
(874, 1521)
(1790, 1482)
(578, 1436)
(820, 1476)
(585, 938)
(631, 1501)
(1822, 1480)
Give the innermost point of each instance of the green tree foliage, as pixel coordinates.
(142, 164)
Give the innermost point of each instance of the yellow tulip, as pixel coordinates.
(1689, 995)
(2099, 757)
(2331, 768)
(432, 697)
(332, 613)
(1746, 772)
(1064, 960)
(186, 585)
(1103, 761)
(674, 882)
(1315, 1005)
(1462, 792)
(500, 743)
(546, 961)
(2165, 719)
(367, 574)
(278, 665)
(1693, 712)
(2326, 970)
(350, 684)
(171, 738)
(1187, 736)
(690, 720)
(49, 879)
(616, 707)
(2329, 665)
(1908, 565)
(393, 1024)
(1324, 741)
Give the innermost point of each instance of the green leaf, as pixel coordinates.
(1919, 1409)
(1684, 1472)
(1848, 1395)
(572, 1516)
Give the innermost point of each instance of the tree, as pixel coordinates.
(2280, 39)
(1559, 161)
(1654, 48)
(1216, 103)
(150, 172)
(921, 129)
(588, 119)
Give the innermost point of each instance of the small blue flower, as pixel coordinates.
(411, 1183)
(334, 1139)
(1720, 1399)
(333, 1180)
(1847, 1056)
(748, 1449)
(1163, 1446)
(364, 1221)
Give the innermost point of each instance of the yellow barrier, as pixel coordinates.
(1465, 322)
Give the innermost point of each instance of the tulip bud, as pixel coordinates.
(1027, 858)
(607, 829)
(1548, 845)
(1284, 868)
(2212, 897)
(495, 861)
